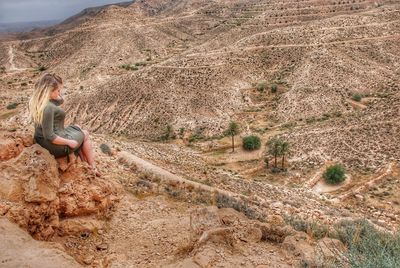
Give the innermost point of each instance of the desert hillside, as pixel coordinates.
(157, 82)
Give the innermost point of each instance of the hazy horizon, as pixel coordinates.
(14, 11)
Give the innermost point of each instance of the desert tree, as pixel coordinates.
(284, 151)
(274, 149)
(232, 130)
(278, 147)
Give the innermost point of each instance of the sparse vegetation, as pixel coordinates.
(42, 68)
(277, 147)
(367, 246)
(133, 67)
(105, 149)
(251, 143)
(334, 174)
(181, 132)
(313, 229)
(168, 134)
(233, 130)
(356, 97)
(129, 67)
(24, 84)
(12, 106)
(197, 135)
(224, 201)
(261, 86)
(274, 88)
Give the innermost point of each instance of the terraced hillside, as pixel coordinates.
(194, 65)
(157, 82)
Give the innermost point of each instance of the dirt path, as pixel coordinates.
(11, 62)
(240, 154)
(322, 187)
(251, 48)
(11, 59)
(366, 186)
(166, 176)
(356, 105)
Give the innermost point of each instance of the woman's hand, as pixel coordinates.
(73, 144)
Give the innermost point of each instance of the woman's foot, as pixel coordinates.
(96, 172)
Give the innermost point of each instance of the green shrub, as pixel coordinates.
(12, 106)
(42, 68)
(367, 246)
(105, 149)
(334, 174)
(261, 86)
(140, 64)
(274, 88)
(312, 228)
(195, 137)
(129, 67)
(251, 142)
(24, 84)
(168, 133)
(181, 131)
(356, 97)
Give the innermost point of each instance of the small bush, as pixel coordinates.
(168, 134)
(42, 68)
(274, 88)
(356, 97)
(251, 142)
(105, 149)
(195, 137)
(334, 174)
(312, 228)
(12, 106)
(261, 86)
(24, 84)
(367, 246)
(129, 67)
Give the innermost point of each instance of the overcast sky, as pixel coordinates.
(37, 10)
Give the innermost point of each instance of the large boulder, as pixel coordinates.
(37, 192)
(12, 144)
(18, 249)
(29, 184)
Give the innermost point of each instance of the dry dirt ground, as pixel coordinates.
(198, 65)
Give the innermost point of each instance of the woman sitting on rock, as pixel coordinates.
(48, 117)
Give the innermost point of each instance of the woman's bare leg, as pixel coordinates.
(82, 156)
(87, 152)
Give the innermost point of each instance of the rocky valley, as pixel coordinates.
(157, 83)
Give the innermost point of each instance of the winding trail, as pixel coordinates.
(11, 62)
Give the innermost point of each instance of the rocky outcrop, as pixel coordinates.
(18, 249)
(12, 145)
(37, 192)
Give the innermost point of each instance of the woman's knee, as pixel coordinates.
(86, 133)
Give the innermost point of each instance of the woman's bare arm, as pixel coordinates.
(61, 141)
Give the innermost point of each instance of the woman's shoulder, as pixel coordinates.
(50, 107)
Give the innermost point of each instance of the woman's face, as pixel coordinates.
(56, 94)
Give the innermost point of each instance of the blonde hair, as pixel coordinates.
(41, 95)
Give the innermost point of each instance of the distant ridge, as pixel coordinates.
(30, 30)
(15, 27)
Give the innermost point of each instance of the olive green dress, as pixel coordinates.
(53, 126)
